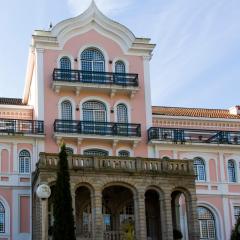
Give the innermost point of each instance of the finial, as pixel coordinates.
(50, 25)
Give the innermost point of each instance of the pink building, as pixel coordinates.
(88, 84)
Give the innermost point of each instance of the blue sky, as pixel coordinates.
(196, 62)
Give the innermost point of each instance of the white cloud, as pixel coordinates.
(106, 6)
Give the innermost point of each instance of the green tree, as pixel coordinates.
(63, 226)
(236, 231)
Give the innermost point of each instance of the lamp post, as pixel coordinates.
(43, 192)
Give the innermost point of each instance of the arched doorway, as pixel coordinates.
(83, 212)
(118, 212)
(179, 215)
(153, 218)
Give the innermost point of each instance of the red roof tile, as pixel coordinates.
(193, 112)
(11, 101)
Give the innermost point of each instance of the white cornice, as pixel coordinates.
(16, 107)
(29, 74)
(93, 19)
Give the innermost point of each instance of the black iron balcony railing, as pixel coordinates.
(180, 135)
(21, 126)
(120, 79)
(97, 128)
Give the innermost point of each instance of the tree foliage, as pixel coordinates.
(235, 235)
(63, 226)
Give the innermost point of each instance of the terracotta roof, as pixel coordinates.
(193, 112)
(11, 101)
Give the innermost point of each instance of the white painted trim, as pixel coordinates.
(62, 99)
(7, 218)
(234, 203)
(65, 54)
(6, 147)
(99, 48)
(16, 107)
(15, 162)
(16, 210)
(129, 109)
(147, 92)
(93, 17)
(124, 60)
(236, 168)
(125, 149)
(31, 159)
(39, 88)
(206, 157)
(217, 217)
(109, 150)
(95, 98)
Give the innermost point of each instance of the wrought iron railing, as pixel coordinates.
(21, 126)
(120, 79)
(97, 128)
(181, 135)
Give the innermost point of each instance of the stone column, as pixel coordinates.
(140, 216)
(166, 218)
(97, 217)
(192, 220)
(73, 194)
(44, 206)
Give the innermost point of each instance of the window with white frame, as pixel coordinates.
(69, 151)
(231, 171)
(96, 152)
(2, 218)
(199, 169)
(120, 67)
(66, 110)
(124, 153)
(94, 111)
(92, 60)
(236, 212)
(24, 161)
(207, 224)
(122, 113)
(65, 63)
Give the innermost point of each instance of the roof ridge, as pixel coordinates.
(192, 108)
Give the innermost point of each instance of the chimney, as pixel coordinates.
(234, 110)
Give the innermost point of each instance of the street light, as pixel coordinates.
(43, 192)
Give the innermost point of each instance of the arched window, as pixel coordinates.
(94, 111)
(69, 151)
(165, 158)
(122, 113)
(199, 168)
(124, 153)
(207, 224)
(65, 63)
(92, 60)
(95, 152)
(231, 171)
(2, 218)
(66, 110)
(24, 161)
(120, 67)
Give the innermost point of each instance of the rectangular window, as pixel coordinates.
(236, 212)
